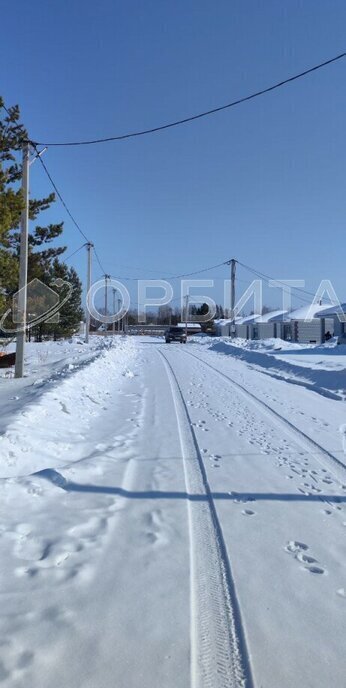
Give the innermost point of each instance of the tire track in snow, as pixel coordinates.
(323, 456)
(219, 656)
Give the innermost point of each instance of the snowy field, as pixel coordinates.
(173, 515)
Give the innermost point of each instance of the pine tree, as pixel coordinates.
(11, 201)
(12, 135)
(71, 313)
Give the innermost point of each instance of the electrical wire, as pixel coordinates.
(171, 277)
(69, 212)
(262, 275)
(134, 279)
(99, 262)
(267, 277)
(192, 118)
(197, 272)
(60, 196)
(174, 277)
(74, 253)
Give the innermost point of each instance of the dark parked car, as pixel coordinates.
(175, 334)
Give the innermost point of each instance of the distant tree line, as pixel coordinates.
(163, 315)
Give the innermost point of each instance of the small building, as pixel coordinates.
(253, 326)
(308, 326)
(268, 325)
(223, 326)
(338, 316)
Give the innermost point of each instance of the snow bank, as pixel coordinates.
(320, 368)
(70, 402)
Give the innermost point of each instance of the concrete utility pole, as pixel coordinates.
(23, 265)
(89, 248)
(233, 269)
(120, 322)
(114, 293)
(106, 297)
(186, 312)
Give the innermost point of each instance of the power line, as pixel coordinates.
(74, 253)
(192, 118)
(60, 196)
(69, 213)
(99, 262)
(262, 275)
(173, 277)
(197, 272)
(135, 279)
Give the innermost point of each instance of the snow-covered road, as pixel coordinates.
(171, 516)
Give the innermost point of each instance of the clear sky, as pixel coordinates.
(263, 182)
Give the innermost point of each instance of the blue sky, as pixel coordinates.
(264, 182)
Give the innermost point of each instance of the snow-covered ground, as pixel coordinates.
(173, 515)
(320, 368)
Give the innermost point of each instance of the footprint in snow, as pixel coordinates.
(241, 499)
(294, 546)
(305, 558)
(315, 569)
(298, 550)
(201, 425)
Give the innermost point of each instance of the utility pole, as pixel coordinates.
(23, 265)
(120, 324)
(186, 313)
(233, 269)
(89, 248)
(114, 293)
(106, 298)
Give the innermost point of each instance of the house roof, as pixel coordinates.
(249, 319)
(226, 321)
(307, 312)
(333, 310)
(272, 316)
(267, 317)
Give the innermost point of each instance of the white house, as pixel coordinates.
(338, 315)
(308, 325)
